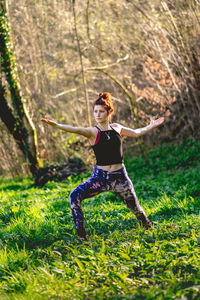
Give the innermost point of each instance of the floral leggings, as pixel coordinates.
(100, 181)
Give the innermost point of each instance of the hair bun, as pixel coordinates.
(105, 100)
(106, 96)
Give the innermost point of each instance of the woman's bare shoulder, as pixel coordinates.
(93, 135)
(117, 127)
(92, 131)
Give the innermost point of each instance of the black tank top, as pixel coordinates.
(108, 148)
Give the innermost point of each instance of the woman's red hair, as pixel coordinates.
(106, 101)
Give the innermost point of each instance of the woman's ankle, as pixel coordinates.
(81, 232)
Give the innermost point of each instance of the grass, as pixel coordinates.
(41, 257)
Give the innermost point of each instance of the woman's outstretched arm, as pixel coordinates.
(87, 132)
(125, 131)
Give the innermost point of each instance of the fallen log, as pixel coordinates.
(59, 172)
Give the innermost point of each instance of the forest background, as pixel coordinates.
(56, 57)
(145, 53)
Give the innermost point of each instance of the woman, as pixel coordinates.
(109, 173)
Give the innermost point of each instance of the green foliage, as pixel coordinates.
(41, 257)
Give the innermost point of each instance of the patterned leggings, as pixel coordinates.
(100, 181)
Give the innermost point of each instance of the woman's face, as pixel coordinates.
(100, 113)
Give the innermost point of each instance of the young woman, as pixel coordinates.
(109, 173)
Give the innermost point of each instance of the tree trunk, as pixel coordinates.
(81, 62)
(16, 119)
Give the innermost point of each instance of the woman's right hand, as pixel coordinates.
(49, 122)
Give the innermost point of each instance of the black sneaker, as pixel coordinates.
(81, 232)
(147, 225)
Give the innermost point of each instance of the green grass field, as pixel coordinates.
(42, 258)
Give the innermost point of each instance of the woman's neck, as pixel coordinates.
(104, 125)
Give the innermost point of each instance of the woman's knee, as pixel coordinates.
(74, 197)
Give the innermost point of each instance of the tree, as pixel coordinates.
(81, 62)
(16, 118)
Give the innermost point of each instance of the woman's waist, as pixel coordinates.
(111, 168)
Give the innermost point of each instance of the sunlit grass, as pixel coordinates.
(42, 258)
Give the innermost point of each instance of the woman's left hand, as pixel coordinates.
(156, 123)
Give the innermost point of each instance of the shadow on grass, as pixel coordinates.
(104, 226)
(46, 237)
(191, 207)
(17, 187)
